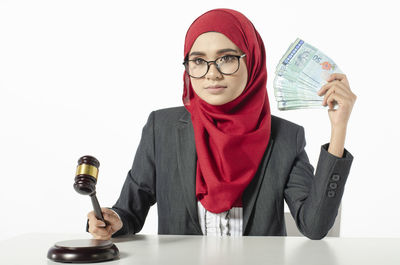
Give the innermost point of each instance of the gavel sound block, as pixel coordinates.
(85, 250)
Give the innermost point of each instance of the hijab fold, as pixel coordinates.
(231, 138)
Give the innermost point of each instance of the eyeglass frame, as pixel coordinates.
(216, 65)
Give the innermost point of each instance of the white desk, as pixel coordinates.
(151, 249)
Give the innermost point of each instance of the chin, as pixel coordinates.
(216, 102)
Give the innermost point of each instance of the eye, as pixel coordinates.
(198, 61)
(228, 58)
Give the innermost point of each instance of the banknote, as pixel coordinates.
(291, 105)
(300, 73)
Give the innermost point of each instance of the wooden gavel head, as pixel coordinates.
(86, 175)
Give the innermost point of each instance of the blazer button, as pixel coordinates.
(333, 185)
(335, 177)
(331, 194)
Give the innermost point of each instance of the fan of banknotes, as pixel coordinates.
(301, 72)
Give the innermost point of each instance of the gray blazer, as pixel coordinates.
(164, 169)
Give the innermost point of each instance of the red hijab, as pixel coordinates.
(231, 138)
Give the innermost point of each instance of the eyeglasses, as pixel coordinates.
(227, 65)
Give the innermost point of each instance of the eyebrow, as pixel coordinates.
(218, 52)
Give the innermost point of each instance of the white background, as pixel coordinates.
(80, 77)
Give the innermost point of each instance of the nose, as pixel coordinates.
(213, 71)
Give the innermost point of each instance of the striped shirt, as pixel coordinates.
(228, 223)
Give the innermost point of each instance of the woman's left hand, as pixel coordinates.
(337, 91)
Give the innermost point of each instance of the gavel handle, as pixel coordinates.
(96, 207)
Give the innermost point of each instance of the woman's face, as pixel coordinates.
(216, 88)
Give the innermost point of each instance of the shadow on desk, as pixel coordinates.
(139, 237)
(128, 238)
(312, 252)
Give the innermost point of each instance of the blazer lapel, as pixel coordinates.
(251, 192)
(186, 151)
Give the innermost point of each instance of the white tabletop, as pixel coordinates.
(165, 249)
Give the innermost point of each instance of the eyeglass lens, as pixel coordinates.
(226, 65)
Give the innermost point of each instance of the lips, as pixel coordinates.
(215, 90)
(215, 87)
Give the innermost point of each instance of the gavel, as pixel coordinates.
(85, 181)
(85, 250)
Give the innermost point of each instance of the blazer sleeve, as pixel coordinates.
(138, 192)
(314, 200)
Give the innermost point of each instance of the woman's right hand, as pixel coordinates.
(99, 229)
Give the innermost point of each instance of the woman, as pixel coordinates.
(222, 164)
